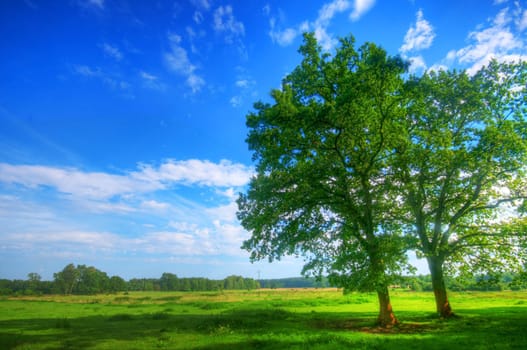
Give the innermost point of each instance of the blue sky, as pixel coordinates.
(122, 122)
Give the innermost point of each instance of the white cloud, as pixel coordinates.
(494, 41)
(94, 185)
(284, 37)
(235, 101)
(155, 205)
(178, 61)
(99, 185)
(68, 210)
(147, 76)
(242, 83)
(417, 64)
(328, 11)
(112, 51)
(326, 41)
(195, 82)
(438, 67)
(197, 172)
(151, 81)
(319, 26)
(86, 70)
(111, 80)
(246, 87)
(360, 7)
(418, 37)
(197, 17)
(325, 15)
(224, 212)
(522, 22)
(266, 9)
(202, 4)
(226, 24)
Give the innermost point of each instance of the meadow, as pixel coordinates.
(260, 319)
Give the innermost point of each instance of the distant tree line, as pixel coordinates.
(295, 282)
(85, 280)
(498, 282)
(421, 283)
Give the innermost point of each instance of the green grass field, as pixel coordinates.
(261, 319)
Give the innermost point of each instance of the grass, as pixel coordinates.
(265, 319)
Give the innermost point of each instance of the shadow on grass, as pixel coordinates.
(271, 328)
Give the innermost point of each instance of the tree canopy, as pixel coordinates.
(321, 188)
(357, 163)
(463, 164)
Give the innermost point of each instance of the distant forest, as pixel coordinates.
(86, 280)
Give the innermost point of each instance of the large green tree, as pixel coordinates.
(66, 279)
(463, 164)
(322, 187)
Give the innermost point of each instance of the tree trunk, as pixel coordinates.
(386, 316)
(438, 284)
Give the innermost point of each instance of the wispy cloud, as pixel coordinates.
(495, 40)
(522, 21)
(112, 51)
(418, 37)
(86, 71)
(325, 16)
(245, 86)
(283, 35)
(178, 61)
(68, 210)
(201, 4)
(148, 178)
(280, 34)
(111, 80)
(231, 29)
(225, 23)
(196, 172)
(151, 81)
(97, 3)
(92, 4)
(93, 185)
(360, 7)
(417, 64)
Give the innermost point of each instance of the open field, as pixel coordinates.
(260, 319)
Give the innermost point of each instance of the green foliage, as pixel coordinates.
(463, 162)
(321, 189)
(465, 159)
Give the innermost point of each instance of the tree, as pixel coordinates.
(33, 280)
(66, 279)
(322, 188)
(168, 281)
(91, 280)
(116, 284)
(464, 160)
